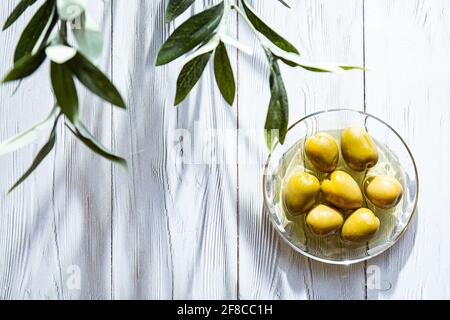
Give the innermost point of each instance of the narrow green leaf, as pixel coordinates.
(349, 68)
(189, 76)
(268, 32)
(319, 69)
(37, 30)
(278, 114)
(65, 90)
(42, 154)
(314, 69)
(25, 66)
(88, 139)
(224, 74)
(190, 34)
(28, 136)
(284, 3)
(176, 8)
(93, 79)
(17, 12)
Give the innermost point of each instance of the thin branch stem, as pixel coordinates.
(248, 22)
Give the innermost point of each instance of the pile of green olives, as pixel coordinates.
(342, 202)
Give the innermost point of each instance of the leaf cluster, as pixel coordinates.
(68, 64)
(206, 35)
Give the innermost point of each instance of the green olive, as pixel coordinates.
(342, 191)
(361, 225)
(358, 149)
(323, 220)
(384, 192)
(323, 152)
(301, 193)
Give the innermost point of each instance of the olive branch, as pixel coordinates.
(206, 35)
(39, 42)
(46, 38)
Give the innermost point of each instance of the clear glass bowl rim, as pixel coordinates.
(343, 262)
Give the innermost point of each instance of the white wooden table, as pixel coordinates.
(172, 230)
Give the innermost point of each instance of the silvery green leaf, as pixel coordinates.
(278, 114)
(94, 80)
(89, 40)
(90, 43)
(28, 136)
(268, 32)
(294, 59)
(190, 34)
(37, 31)
(189, 76)
(26, 66)
(17, 12)
(42, 154)
(70, 9)
(60, 53)
(85, 136)
(236, 44)
(224, 74)
(176, 8)
(65, 90)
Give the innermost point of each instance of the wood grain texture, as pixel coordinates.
(175, 219)
(57, 223)
(407, 47)
(323, 31)
(28, 264)
(188, 221)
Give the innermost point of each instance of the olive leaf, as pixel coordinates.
(268, 32)
(42, 154)
(189, 76)
(65, 90)
(176, 7)
(295, 60)
(94, 80)
(26, 66)
(348, 68)
(70, 9)
(37, 30)
(323, 69)
(224, 74)
(17, 12)
(59, 53)
(89, 40)
(28, 136)
(190, 34)
(278, 114)
(284, 3)
(88, 139)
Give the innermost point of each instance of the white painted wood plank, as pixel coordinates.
(174, 224)
(82, 191)
(28, 264)
(408, 47)
(323, 31)
(58, 222)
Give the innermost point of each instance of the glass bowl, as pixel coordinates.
(395, 159)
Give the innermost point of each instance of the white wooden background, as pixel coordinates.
(170, 230)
